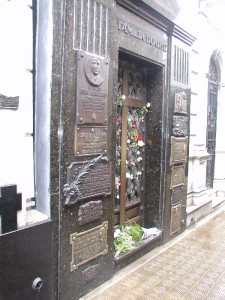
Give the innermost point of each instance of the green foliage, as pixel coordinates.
(135, 231)
(127, 237)
(120, 100)
(123, 244)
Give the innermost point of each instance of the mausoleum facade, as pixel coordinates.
(124, 109)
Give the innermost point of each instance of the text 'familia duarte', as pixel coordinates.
(137, 33)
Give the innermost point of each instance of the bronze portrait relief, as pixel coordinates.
(93, 71)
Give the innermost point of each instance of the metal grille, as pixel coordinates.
(211, 123)
(129, 143)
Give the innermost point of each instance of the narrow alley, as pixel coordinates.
(190, 267)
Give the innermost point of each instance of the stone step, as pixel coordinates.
(217, 202)
(197, 212)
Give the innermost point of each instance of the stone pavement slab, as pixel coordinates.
(192, 266)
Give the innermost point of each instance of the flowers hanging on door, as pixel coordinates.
(135, 143)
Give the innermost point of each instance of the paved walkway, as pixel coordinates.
(192, 266)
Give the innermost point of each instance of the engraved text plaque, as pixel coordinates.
(90, 273)
(178, 149)
(87, 179)
(180, 126)
(181, 103)
(178, 195)
(90, 140)
(177, 176)
(88, 245)
(92, 89)
(90, 211)
(175, 219)
(9, 102)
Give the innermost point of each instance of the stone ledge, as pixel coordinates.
(217, 202)
(140, 249)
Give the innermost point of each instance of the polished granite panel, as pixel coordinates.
(191, 267)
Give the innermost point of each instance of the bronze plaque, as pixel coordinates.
(90, 273)
(178, 195)
(177, 176)
(90, 140)
(88, 245)
(180, 126)
(175, 220)
(92, 89)
(180, 103)
(178, 149)
(87, 179)
(90, 211)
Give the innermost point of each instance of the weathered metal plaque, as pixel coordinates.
(88, 245)
(89, 212)
(90, 140)
(177, 176)
(178, 149)
(9, 102)
(87, 179)
(180, 103)
(90, 273)
(180, 126)
(175, 220)
(92, 89)
(178, 195)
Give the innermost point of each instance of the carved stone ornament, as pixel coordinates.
(175, 219)
(87, 179)
(92, 89)
(180, 126)
(180, 103)
(88, 245)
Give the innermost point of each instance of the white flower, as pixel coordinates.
(127, 175)
(141, 143)
(117, 197)
(117, 233)
(131, 176)
(128, 141)
(138, 152)
(123, 97)
(139, 159)
(148, 104)
(139, 173)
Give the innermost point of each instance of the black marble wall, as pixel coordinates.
(179, 94)
(93, 27)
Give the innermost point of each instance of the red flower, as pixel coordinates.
(134, 126)
(117, 120)
(139, 137)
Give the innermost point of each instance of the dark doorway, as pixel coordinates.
(137, 80)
